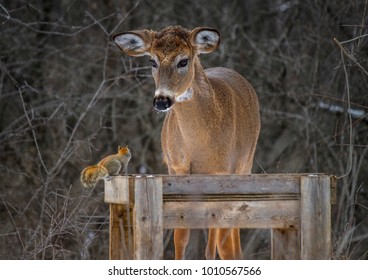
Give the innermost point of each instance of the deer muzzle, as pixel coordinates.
(162, 103)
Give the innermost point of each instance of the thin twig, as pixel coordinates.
(354, 39)
(362, 24)
(7, 16)
(97, 22)
(33, 132)
(20, 91)
(29, 25)
(125, 16)
(13, 222)
(349, 115)
(339, 100)
(351, 57)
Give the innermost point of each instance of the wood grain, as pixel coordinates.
(235, 214)
(315, 217)
(296, 207)
(230, 184)
(117, 190)
(121, 234)
(148, 219)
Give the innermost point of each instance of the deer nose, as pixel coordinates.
(162, 103)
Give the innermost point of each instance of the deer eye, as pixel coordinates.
(153, 63)
(182, 63)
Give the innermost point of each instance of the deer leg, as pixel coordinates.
(211, 244)
(181, 239)
(238, 252)
(225, 244)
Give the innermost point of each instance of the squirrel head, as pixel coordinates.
(123, 150)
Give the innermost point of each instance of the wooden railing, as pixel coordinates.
(296, 207)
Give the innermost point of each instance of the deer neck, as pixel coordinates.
(202, 98)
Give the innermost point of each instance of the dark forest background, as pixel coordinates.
(68, 97)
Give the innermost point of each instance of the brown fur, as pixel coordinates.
(215, 131)
(107, 167)
(171, 39)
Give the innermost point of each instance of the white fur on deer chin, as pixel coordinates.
(185, 96)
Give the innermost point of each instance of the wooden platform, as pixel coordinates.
(296, 207)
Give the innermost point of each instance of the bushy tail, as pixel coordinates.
(92, 174)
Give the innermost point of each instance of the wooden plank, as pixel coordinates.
(121, 237)
(117, 190)
(285, 244)
(115, 235)
(148, 219)
(230, 184)
(245, 214)
(230, 197)
(315, 215)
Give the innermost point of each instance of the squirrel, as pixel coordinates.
(108, 166)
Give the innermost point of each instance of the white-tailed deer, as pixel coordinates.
(212, 121)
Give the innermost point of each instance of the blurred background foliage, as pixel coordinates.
(68, 97)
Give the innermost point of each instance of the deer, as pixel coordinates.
(212, 119)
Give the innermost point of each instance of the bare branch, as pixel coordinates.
(351, 57)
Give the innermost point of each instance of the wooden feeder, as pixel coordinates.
(296, 207)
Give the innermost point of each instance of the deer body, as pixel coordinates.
(210, 133)
(212, 116)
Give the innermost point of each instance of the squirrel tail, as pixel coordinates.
(92, 174)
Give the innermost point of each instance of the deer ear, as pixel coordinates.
(205, 39)
(134, 43)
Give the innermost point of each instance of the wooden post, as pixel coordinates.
(315, 217)
(115, 253)
(121, 234)
(148, 224)
(121, 219)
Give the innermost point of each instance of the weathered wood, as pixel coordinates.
(230, 184)
(121, 235)
(115, 234)
(296, 207)
(148, 219)
(230, 197)
(117, 190)
(237, 214)
(315, 218)
(285, 244)
(207, 187)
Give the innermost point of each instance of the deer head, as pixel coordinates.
(173, 52)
